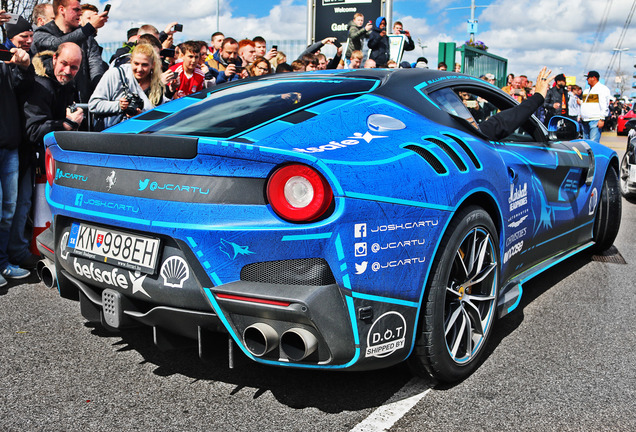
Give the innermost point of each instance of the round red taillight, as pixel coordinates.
(49, 165)
(298, 193)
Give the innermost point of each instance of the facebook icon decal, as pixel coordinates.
(360, 230)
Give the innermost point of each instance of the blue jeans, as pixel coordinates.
(9, 170)
(20, 238)
(591, 130)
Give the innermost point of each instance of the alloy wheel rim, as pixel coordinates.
(470, 296)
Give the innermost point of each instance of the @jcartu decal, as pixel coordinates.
(386, 335)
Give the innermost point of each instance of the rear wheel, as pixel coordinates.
(608, 213)
(461, 299)
(625, 191)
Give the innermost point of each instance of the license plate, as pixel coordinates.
(114, 247)
(632, 173)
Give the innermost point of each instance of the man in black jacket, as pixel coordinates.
(556, 101)
(66, 28)
(16, 76)
(47, 106)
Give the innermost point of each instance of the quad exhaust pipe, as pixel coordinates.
(46, 272)
(296, 344)
(260, 338)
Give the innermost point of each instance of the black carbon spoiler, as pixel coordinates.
(161, 146)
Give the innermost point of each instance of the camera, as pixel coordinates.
(177, 27)
(74, 107)
(134, 103)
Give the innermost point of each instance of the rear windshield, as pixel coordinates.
(232, 110)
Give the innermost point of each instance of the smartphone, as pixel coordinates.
(107, 8)
(13, 19)
(178, 27)
(5, 55)
(337, 44)
(471, 104)
(275, 47)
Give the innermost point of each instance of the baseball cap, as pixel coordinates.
(559, 77)
(593, 74)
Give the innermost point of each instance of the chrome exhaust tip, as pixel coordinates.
(297, 344)
(260, 338)
(46, 272)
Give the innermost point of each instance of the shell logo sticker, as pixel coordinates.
(175, 272)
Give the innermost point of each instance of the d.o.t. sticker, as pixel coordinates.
(387, 334)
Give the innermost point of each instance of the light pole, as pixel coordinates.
(619, 79)
(620, 52)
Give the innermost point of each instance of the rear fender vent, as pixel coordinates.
(306, 271)
(467, 149)
(428, 157)
(459, 163)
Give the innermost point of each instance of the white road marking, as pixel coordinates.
(384, 417)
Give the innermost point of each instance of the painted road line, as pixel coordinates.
(383, 418)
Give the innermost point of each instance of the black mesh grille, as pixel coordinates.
(428, 157)
(468, 151)
(450, 152)
(307, 271)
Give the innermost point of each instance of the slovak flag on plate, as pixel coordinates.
(100, 240)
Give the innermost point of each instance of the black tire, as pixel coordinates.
(608, 212)
(445, 348)
(625, 191)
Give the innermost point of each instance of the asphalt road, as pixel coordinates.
(563, 360)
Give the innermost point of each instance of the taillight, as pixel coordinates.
(49, 165)
(298, 193)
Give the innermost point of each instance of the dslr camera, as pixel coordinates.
(134, 103)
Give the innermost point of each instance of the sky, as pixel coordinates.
(529, 33)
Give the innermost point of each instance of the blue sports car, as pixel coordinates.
(328, 220)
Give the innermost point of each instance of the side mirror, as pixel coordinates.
(563, 129)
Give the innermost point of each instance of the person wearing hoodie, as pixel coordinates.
(357, 31)
(379, 43)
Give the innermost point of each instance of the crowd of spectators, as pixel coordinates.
(54, 63)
